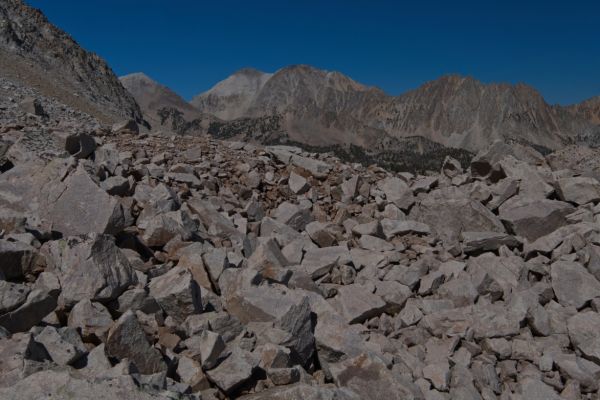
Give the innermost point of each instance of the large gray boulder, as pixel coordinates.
(578, 190)
(358, 303)
(236, 370)
(62, 385)
(84, 207)
(18, 259)
(449, 211)
(370, 378)
(63, 345)
(177, 293)
(39, 304)
(91, 319)
(583, 332)
(12, 295)
(534, 218)
(91, 268)
(303, 391)
(126, 339)
(573, 284)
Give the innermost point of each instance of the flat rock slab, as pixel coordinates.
(84, 207)
(92, 268)
(534, 218)
(579, 190)
(583, 332)
(573, 284)
(357, 303)
(449, 211)
(234, 371)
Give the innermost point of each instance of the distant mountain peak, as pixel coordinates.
(153, 97)
(249, 71)
(137, 75)
(322, 107)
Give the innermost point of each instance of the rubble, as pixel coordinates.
(205, 268)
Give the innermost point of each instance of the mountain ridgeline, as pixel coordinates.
(322, 110)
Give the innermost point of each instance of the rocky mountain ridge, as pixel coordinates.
(324, 108)
(327, 111)
(36, 53)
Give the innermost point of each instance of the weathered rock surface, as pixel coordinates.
(92, 268)
(127, 340)
(231, 270)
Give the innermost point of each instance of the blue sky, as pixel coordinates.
(190, 45)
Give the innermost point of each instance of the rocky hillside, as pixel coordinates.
(321, 108)
(37, 54)
(589, 110)
(193, 268)
(153, 97)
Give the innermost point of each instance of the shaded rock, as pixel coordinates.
(60, 384)
(126, 126)
(531, 218)
(177, 293)
(283, 376)
(234, 371)
(16, 354)
(33, 106)
(116, 186)
(302, 391)
(298, 323)
(293, 215)
(211, 349)
(578, 190)
(92, 320)
(583, 332)
(92, 268)
(573, 284)
(64, 347)
(297, 183)
(17, 258)
(84, 207)
(487, 241)
(357, 303)
(370, 379)
(449, 211)
(79, 145)
(12, 295)
(126, 339)
(321, 233)
(451, 167)
(38, 305)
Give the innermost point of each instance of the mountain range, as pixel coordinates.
(298, 105)
(320, 108)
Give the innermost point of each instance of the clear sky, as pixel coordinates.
(189, 45)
